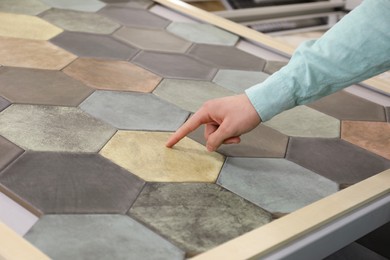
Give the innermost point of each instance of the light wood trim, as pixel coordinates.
(378, 84)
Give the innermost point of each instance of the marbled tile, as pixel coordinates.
(305, 122)
(3, 103)
(51, 128)
(99, 237)
(273, 66)
(345, 106)
(112, 75)
(227, 57)
(142, 4)
(8, 151)
(27, 27)
(134, 17)
(145, 154)
(202, 33)
(196, 216)
(373, 136)
(93, 45)
(46, 87)
(172, 65)
(335, 159)
(80, 21)
(260, 142)
(33, 54)
(239, 80)
(134, 111)
(189, 94)
(388, 114)
(146, 39)
(30, 7)
(84, 5)
(355, 251)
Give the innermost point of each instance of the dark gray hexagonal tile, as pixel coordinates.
(85, 5)
(72, 183)
(239, 80)
(388, 114)
(273, 66)
(3, 103)
(8, 151)
(29, 7)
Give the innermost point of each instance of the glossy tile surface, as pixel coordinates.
(373, 136)
(145, 155)
(273, 66)
(134, 111)
(92, 45)
(335, 159)
(189, 94)
(99, 237)
(202, 33)
(50, 128)
(239, 80)
(3, 103)
(112, 75)
(85, 5)
(196, 216)
(8, 151)
(72, 183)
(30, 7)
(46, 87)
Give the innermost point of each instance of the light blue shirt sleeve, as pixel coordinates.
(355, 49)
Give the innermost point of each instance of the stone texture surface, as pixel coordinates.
(239, 80)
(29, 7)
(273, 66)
(85, 5)
(8, 151)
(3, 103)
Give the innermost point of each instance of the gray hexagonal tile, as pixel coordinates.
(239, 80)
(273, 66)
(3, 103)
(85, 5)
(142, 4)
(30, 7)
(388, 114)
(8, 151)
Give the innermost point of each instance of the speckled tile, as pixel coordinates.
(226, 57)
(189, 94)
(196, 216)
(26, 27)
(355, 251)
(388, 114)
(260, 142)
(276, 185)
(80, 21)
(51, 128)
(373, 136)
(33, 54)
(346, 106)
(134, 111)
(273, 66)
(305, 122)
(145, 155)
(239, 80)
(3, 103)
(46, 87)
(134, 17)
(172, 65)
(335, 159)
(30, 7)
(112, 75)
(202, 33)
(99, 237)
(146, 39)
(93, 45)
(8, 151)
(77, 5)
(71, 183)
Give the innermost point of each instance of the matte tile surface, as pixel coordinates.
(335, 159)
(92, 45)
(112, 75)
(45, 87)
(388, 114)
(30, 7)
(3, 103)
(8, 151)
(189, 94)
(84, 5)
(143, 4)
(355, 251)
(145, 154)
(276, 185)
(239, 80)
(196, 216)
(99, 237)
(134, 111)
(50, 128)
(273, 66)
(72, 183)
(202, 33)
(305, 122)
(373, 136)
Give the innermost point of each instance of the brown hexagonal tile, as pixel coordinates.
(3, 103)
(8, 151)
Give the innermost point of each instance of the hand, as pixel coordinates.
(226, 119)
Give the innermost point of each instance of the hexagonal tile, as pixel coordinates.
(171, 14)
(33, 54)
(51, 128)
(134, 111)
(3, 103)
(373, 136)
(388, 114)
(175, 65)
(144, 154)
(335, 159)
(189, 94)
(202, 33)
(112, 75)
(226, 57)
(80, 21)
(72, 183)
(276, 185)
(80, 236)
(93, 45)
(142, 4)
(209, 214)
(85, 5)
(273, 66)
(305, 122)
(46, 87)
(8, 151)
(30, 7)
(239, 80)
(146, 39)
